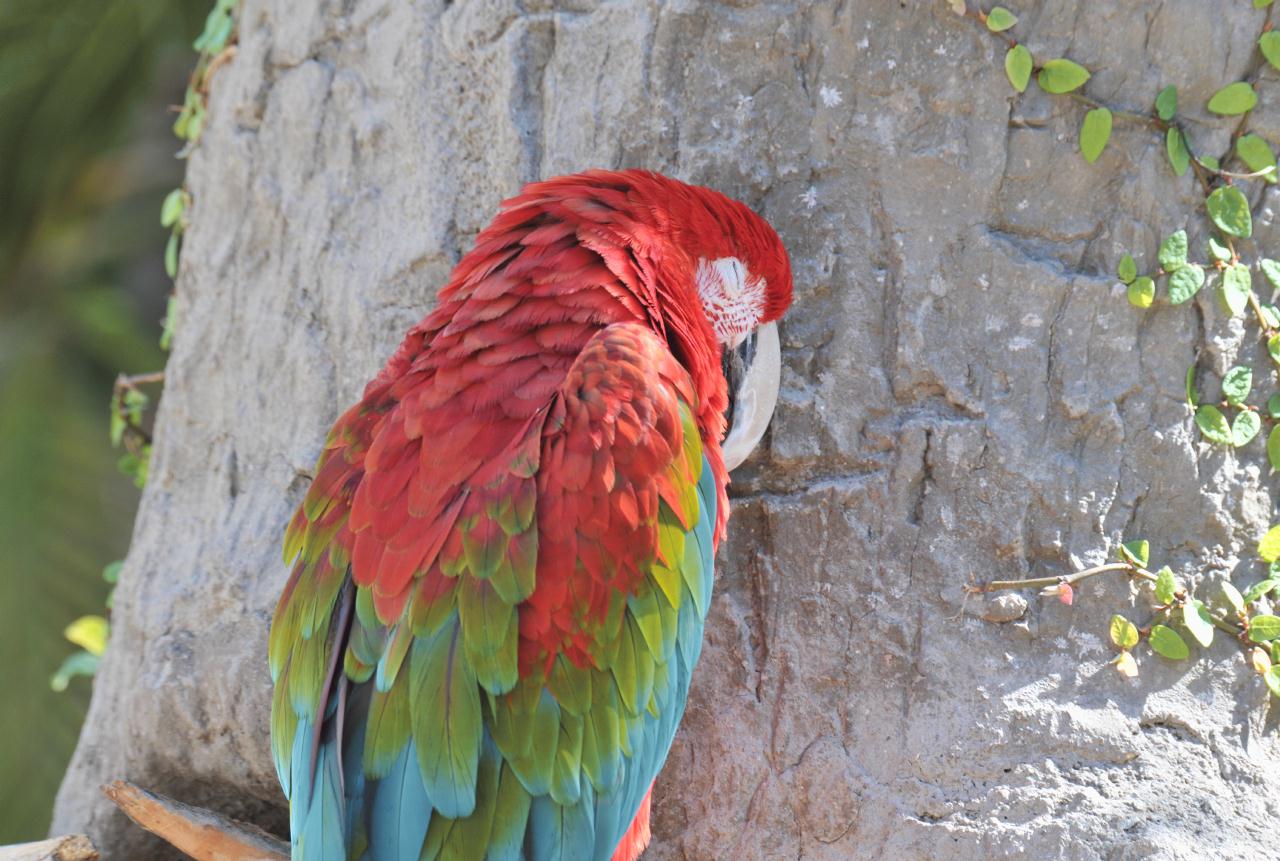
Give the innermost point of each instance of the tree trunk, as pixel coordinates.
(966, 395)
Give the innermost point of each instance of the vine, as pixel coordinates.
(130, 401)
(1176, 613)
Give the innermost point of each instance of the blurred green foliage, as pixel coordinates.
(86, 157)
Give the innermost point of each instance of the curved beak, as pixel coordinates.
(753, 370)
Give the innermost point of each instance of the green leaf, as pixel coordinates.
(1095, 131)
(170, 319)
(1245, 428)
(1123, 633)
(1213, 424)
(1142, 292)
(1271, 269)
(1166, 587)
(1135, 552)
(1261, 4)
(1233, 99)
(1272, 678)
(1176, 146)
(1218, 251)
(78, 664)
(1230, 211)
(1193, 398)
(1264, 628)
(1269, 45)
(1259, 589)
(1127, 270)
(1167, 103)
(1237, 287)
(171, 255)
(1273, 446)
(1233, 596)
(1210, 163)
(1173, 251)
(1257, 154)
(1168, 642)
(1269, 546)
(1198, 622)
(171, 209)
(1185, 283)
(1270, 315)
(89, 633)
(1000, 19)
(111, 573)
(1017, 66)
(1236, 384)
(1062, 76)
(117, 425)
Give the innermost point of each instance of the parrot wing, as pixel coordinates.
(491, 663)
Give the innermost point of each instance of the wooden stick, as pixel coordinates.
(201, 834)
(74, 848)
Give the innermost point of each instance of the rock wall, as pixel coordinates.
(966, 395)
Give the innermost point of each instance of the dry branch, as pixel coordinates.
(74, 848)
(201, 834)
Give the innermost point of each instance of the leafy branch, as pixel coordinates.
(1230, 420)
(1238, 616)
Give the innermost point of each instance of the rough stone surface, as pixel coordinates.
(967, 395)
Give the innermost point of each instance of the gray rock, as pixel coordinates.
(967, 396)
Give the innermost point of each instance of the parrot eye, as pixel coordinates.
(732, 298)
(753, 369)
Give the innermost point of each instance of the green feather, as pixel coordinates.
(306, 672)
(693, 574)
(482, 548)
(512, 719)
(387, 729)
(643, 608)
(467, 839)
(510, 818)
(445, 715)
(393, 656)
(566, 776)
(516, 573)
(666, 571)
(284, 726)
(284, 633)
(571, 685)
(535, 768)
(485, 616)
(645, 665)
(499, 671)
(428, 617)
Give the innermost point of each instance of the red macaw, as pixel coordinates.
(503, 565)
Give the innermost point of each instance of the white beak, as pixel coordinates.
(754, 372)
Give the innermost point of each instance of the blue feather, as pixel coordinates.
(400, 812)
(322, 836)
(560, 833)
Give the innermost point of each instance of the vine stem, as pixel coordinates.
(1136, 571)
(1070, 579)
(132, 382)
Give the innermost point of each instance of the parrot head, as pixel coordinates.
(743, 276)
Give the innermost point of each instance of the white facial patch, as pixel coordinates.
(732, 297)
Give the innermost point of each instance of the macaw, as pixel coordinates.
(503, 565)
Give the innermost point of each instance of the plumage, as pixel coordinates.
(502, 569)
